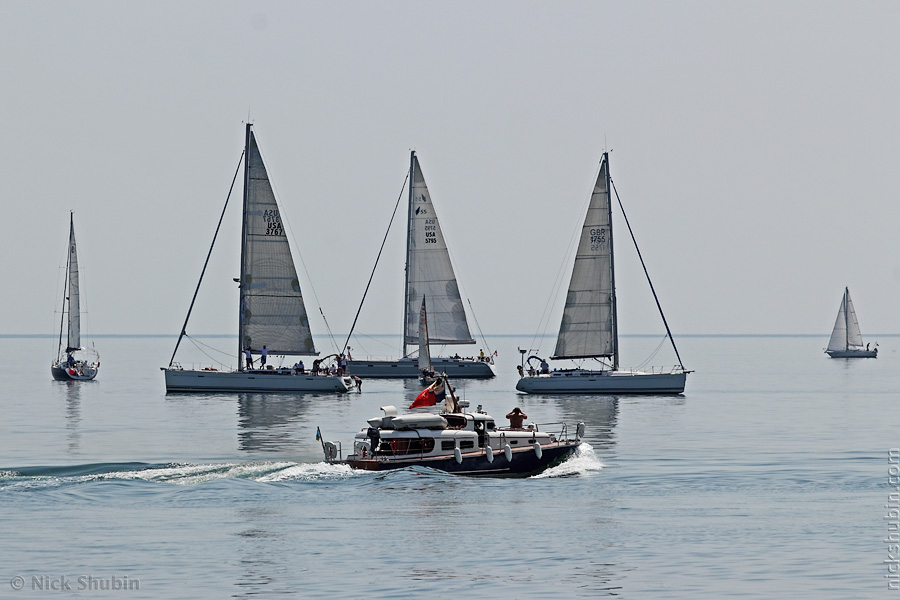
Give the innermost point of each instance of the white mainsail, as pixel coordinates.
(272, 309)
(424, 352)
(429, 271)
(846, 334)
(588, 327)
(74, 338)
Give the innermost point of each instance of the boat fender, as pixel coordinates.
(537, 450)
(579, 429)
(330, 451)
(457, 454)
(508, 452)
(490, 454)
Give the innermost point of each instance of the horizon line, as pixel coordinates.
(492, 335)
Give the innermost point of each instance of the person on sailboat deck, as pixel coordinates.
(545, 367)
(516, 418)
(71, 359)
(248, 357)
(263, 354)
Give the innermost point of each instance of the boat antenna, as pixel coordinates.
(203, 272)
(647, 274)
(377, 258)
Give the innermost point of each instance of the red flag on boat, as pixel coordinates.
(426, 398)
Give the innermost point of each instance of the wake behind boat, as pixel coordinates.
(74, 362)
(846, 339)
(272, 315)
(457, 442)
(589, 327)
(429, 273)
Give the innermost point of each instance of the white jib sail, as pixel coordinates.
(429, 272)
(846, 334)
(272, 309)
(586, 329)
(74, 339)
(424, 353)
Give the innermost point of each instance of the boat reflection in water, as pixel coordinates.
(457, 442)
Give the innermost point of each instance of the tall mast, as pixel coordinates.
(62, 316)
(412, 184)
(240, 355)
(846, 318)
(612, 268)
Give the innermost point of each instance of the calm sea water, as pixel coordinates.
(768, 478)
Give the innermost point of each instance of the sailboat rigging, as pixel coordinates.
(73, 362)
(272, 318)
(589, 325)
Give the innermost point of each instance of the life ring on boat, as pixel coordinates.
(330, 451)
(71, 371)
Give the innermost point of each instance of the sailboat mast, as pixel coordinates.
(612, 270)
(846, 318)
(412, 181)
(62, 316)
(240, 355)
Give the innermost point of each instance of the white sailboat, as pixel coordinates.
(846, 340)
(429, 272)
(73, 362)
(426, 369)
(272, 315)
(589, 323)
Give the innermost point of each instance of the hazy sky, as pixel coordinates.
(755, 146)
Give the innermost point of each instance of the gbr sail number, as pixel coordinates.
(598, 239)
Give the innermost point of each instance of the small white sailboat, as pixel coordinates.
(846, 340)
(272, 315)
(589, 323)
(426, 369)
(429, 272)
(73, 362)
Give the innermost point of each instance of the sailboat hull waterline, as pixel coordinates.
(577, 381)
(408, 368)
(272, 316)
(589, 325)
(279, 380)
(64, 372)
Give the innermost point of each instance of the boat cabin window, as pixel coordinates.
(451, 444)
(401, 446)
(455, 420)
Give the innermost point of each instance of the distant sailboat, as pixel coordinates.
(272, 315)
(846, 340)
(73, 362)
(589, 327)
(426, 369)
(429, 272)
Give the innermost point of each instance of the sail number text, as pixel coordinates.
(598, 239)
(430, 231)
(273, 222)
